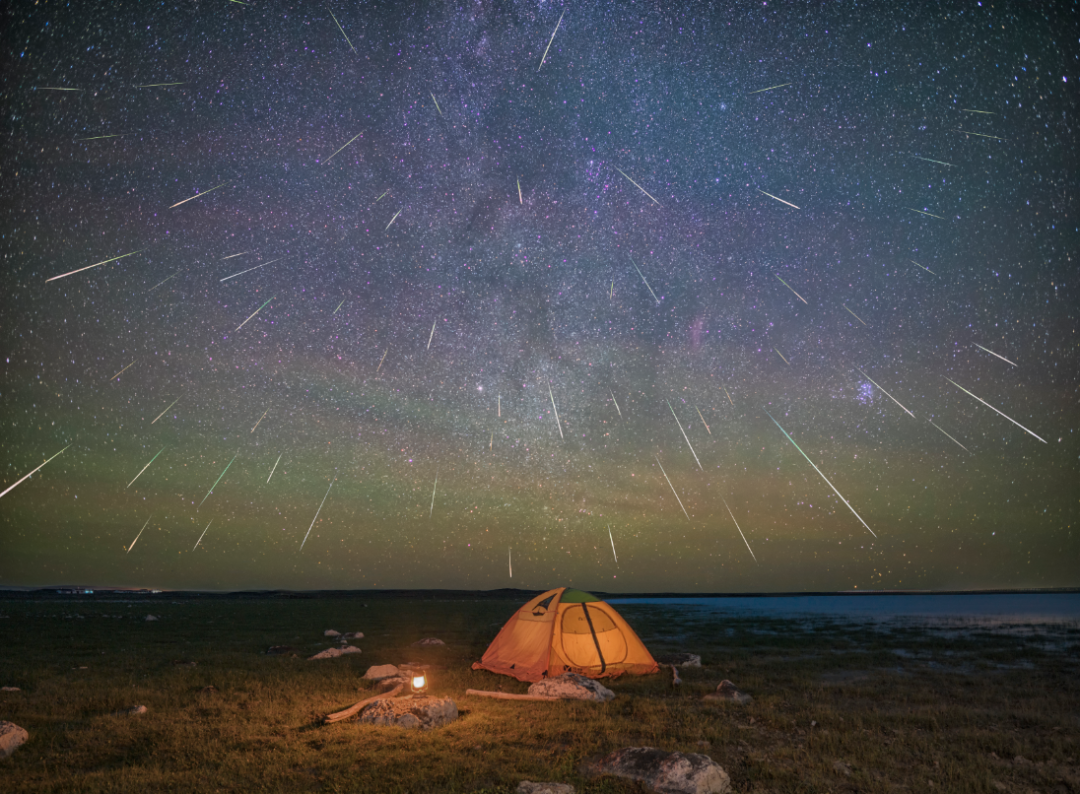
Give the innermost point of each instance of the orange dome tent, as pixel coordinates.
(566, 631)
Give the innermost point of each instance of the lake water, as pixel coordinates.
(1018, 607)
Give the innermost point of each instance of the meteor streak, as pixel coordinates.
(252, 315)
(702, 419)
(48, 88)
(928, 270)
(170, 405)
(351, 47)
(853, 314)
(770, 195)
(520, 199)
(433, 99)
(260, 419)
(931, 421)
(826, 479)
(174, 275)
(121, 372)
(932, 215)
(276, 462)
(639, 187)
(981, 135)
(991, 352)
(28, 476)
(199, 195)
(781, 356)
(431, 512)
(242, 272)
(156, 85)
(317, 514)
(797, 295)
(102, 137)
(129, 548)
(612, 544)
(353, 138)
(616, 403)
(230, 256)
(499, 405)
(432, 334)
(770, 88)
(684, 434)
(984, 112)
(729, 394)
(557, 422)
(340, 305)
(212, 487)
(510, 561)
(928, 160)
(203, 534)
(909, 413)
(392, 220)
(105, 262)
(144, 468)
(380, 197)
(995, 410)
(672, 487)
(722, 499)
(541, 66)
(646, 282)
(381, 360)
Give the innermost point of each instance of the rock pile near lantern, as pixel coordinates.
(571, 686)
(11, 736)
(424, 713)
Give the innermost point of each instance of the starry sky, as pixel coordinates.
(628, 296)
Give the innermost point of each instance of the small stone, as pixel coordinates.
(424, 713)
(148, 618)
(9, 689)
(571, 686)
(354, 635)
(331, 653)
(529, 787)
(666, 773)
(11, 736)
(842, 768)
(728, 691)
(998, 785)
(680, 659)
(331, 633)
(425, 643)
(379, 672)
(131, 712)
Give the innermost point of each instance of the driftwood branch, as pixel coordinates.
(338, 716)
(483, 693)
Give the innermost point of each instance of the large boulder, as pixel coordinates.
(331, 653)
(530, 787)
(331, 633)
(728, 691)
(380, 672)
(571, 686)
(666, 773)
(11, 736)
(424, 713)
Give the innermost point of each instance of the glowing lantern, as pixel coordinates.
(419, 684)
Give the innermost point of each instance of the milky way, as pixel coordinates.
(364, 295)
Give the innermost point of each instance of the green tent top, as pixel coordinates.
(571, 596)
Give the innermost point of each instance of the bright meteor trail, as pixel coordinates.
(826, 479)
(317, 514)
(672, 487)
(744, 540)
(212, 487)
(684, 434)
(104, 262)
(995, 410)
(147, 466)
(27, 476)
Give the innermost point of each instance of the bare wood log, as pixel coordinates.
(338, 716)
(483, 693)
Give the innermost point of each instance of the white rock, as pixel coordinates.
(423, 713)
(354, 635)
(529, 787)
(728, 691)
(9, 689)
(11, 736)
(666, 773)
(571, 686)
(331, 633)
(680, 659)
(150, 617)
(428, 642)
(331, 653)
(135, 710)
(380, 671)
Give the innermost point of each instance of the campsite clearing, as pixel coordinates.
(839, 704)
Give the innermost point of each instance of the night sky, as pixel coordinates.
(389, 310)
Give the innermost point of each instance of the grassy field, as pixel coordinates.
(839, 706)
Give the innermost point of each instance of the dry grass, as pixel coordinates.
(839, 706)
